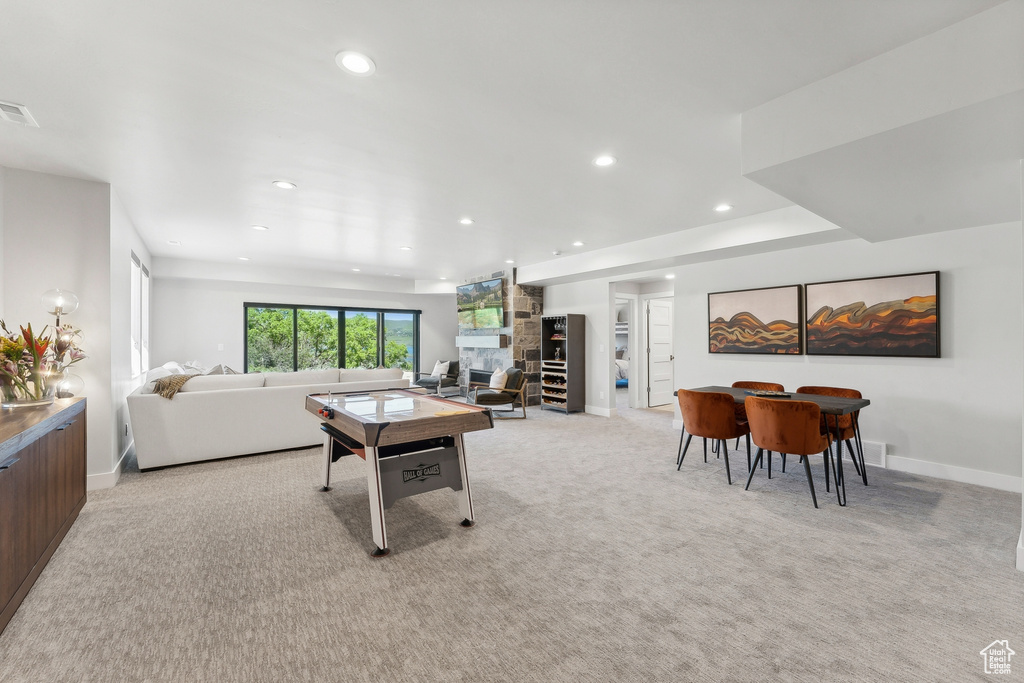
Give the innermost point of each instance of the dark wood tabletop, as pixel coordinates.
(830, 405)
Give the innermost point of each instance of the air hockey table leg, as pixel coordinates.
(465, 496)
(327, 463)
(373, 485)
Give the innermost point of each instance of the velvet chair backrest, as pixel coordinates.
(758, 386)
(785, 426)
(845, 421)
(453, 369)
(710, 415)
(514, 378)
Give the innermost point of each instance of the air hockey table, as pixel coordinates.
(411, 443)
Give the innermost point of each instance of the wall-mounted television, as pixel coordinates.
(480, 304)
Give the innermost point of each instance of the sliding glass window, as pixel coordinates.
(317, 339)
(269, 338)
(361, 339)
(399, 340)
(284, 337)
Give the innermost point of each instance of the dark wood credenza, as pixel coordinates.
(42, 490)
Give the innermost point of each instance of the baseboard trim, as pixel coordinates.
(966, 475)
(602, 412)
(107, 480)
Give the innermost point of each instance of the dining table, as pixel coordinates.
(833, 406)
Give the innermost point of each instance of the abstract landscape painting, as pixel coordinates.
(886, 316)
(755, 321)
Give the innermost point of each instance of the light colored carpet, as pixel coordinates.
(592, 560)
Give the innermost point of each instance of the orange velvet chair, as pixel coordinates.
(786, 427)
(848, 425)
(741, 412)
(710, 415)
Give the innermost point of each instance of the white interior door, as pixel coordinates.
(659, 352)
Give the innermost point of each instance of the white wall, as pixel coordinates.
(123, 241)
(191, 317)
(56, 235)
(961, 410)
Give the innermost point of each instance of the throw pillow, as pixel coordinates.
(497, 379)
(439, 369)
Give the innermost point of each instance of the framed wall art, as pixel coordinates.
(766, 320)
(881, 316)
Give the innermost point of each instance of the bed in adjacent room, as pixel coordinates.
(621, 372)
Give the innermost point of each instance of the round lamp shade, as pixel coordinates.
(60, 302)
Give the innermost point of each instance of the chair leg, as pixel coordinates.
(748, 451)
(679, 451)
(750, 475)
(810, 481)
(860, 449)
(725, 450)
(769, 464)
(688, 438)
(783, 463)
(705, 450)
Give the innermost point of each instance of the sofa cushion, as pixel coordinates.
(174, 367)
(290, 379)
(365, 374)
(214, 382)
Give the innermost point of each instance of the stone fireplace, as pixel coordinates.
(522, 308)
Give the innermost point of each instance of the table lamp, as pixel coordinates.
(60, 302)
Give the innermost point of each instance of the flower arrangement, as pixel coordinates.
(31, 366)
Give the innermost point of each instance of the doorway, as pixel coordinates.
(659, 352)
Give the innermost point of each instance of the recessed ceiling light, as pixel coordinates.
(243, 258)
(397, 275)
(508, 260)
(355, 270)
(466, 221)
(406, 248)
(285, 184)
(174, 242)
(577, 243)
(443, 278)
(355, 63)
(604, 160)
(670, 276)
(260, 227)
(723, 207)
(556, 253)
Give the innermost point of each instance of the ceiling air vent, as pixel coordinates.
(16, 113)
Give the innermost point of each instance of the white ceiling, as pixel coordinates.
(483, 108)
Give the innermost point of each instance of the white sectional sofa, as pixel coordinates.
(219, 416)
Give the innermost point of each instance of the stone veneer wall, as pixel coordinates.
(523, 307)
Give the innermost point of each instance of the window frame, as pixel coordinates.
(139, 318)
(341, 311)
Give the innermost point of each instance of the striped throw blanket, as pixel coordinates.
(170, 385)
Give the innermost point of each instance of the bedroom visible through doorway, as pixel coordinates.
(623, 347)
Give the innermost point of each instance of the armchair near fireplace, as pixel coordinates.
(514, 390)
(445, 385)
